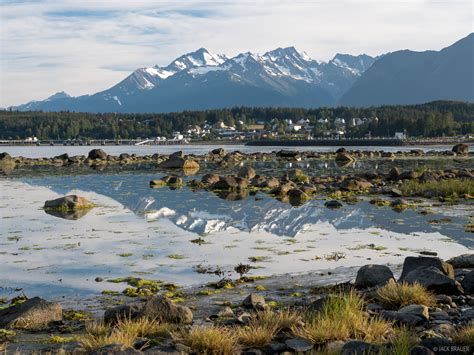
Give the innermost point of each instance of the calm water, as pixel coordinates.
(51, 151)
(146, 232)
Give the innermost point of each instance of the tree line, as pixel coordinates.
(428, 120)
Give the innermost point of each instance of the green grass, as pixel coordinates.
(209, 340)
(442, 188)
(396, 295)
(343, 317)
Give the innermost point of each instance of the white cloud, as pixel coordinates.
(86, 46)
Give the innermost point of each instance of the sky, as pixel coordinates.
(83, 46)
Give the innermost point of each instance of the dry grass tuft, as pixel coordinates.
(342, 317)
(144, 327)
(465, 335)
(395, 295)
(444, 188)
(209, 340)
(92, 342)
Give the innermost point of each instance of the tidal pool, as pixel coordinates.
(165, 234)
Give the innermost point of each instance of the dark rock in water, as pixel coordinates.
(287, 154)
(428, 253)
(434, 280)
(7, 163)
(461, 149)
(356, 347)
(178, 154)
(414, 262)
(396, 192)
(68, 203)
(233, 195)
(34, 313)
(299, 345)
(462, 261)
(218, 151)
(421, 350)
(227, 183)
(341, 150)
(373, 275)
(468, 283)
(157, 307)
(254, 301)
(97, 154)
(157, 183)
(297, 175)
(356, 184)
(333, 204)
(124, 156)
(176, 162)
(344, 157)
(210, 179)
(268, 183)
(64, 156)
(115, 348)
(246, 172)
(297, 197)
(400, 318)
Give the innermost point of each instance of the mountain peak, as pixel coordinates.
(58, 95)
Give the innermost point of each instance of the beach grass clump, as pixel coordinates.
(402, 342)
(396, 295)
(126, 331)
(464, 335)
(209, 340)
(342, 317)
(443, 188)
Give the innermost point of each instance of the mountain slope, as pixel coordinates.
(407, 77)
(200, 80)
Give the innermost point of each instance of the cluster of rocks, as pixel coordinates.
(99, 158)
(433, 325)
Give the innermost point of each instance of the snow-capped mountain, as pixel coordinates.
(202, 80)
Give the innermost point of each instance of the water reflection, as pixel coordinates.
(71, 215)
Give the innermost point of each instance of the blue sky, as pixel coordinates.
(83, 46)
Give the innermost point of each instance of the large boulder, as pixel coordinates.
(462, 261)
(254, 301)
(357, 347)
(68, 203)
(34, 313)
(373, 275)
(210, 179)
(97, 154)
(468, 283)
(356, 184)
(177, 162)
(157, 307)
(403, 318)
(297, 197)
(434, 280)
(414, 262)
(461, 149)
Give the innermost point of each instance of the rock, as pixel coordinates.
(439, 345)
(356, 184)
(157, 183)
(173, 180)
(356, 347)
(434, 280)
(5, 158)
(218, 151)
(299, 345)
(394, 192)
(461, 149)
(97, 154)
(287, 154)
(178, 154)
(408, 175)
(468, 315)
(162, 309)
(34, 313)
(462, 261)
(297, 175)
(399, 204)
(393, 174)
(344, 157)
(333, 204)
(468, 283)
(244, 318)
(254, 301)
(417, 310)
(68, 203)
(157, 307)
(334, 347)
(269, 183)
(444, 299)
(210, 179)
(421, 350)
(176, 162)
(246, 172)
(98, 279)
(225, 312)
(401, 318)
(275, 347)
(373, 275)
(414, 262)
(297, 197)
(115, 348)
(317, 305)
(227, 183)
